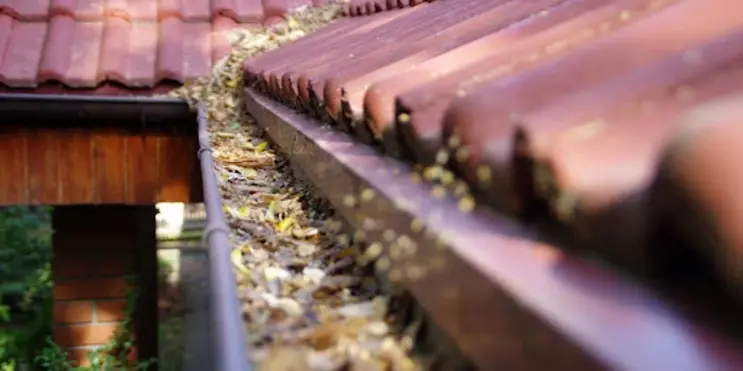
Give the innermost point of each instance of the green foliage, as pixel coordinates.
(164, 270)
(54, 358)
(25, 250)
(25, 284)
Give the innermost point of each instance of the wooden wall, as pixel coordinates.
(96, 166)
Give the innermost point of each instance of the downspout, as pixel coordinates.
(229, 341)
(229, 345)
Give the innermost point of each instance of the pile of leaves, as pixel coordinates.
(307, 304)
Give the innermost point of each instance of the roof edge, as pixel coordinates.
(58, 110)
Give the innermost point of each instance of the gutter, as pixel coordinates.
(74, 110)
(229, 342)
(229, 345)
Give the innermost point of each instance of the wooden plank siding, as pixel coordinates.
(96, 166)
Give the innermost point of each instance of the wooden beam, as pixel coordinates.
(98, 166)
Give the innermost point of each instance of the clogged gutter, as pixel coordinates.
(307, 304)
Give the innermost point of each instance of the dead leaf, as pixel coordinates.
(237, 261)
(287, 298)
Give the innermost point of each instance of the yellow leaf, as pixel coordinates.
(349, 251)
(285, 224)
(249, 172)
(237, 260)
(273, 205)
(243, 210)
(314, 239)
(291, 22)
(261, 146)
(232, 83)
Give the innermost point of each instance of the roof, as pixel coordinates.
(568, 110)
(134, 43)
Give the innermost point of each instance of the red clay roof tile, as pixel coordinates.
(650, 38)
(561, 107)
(137, 43)
(185, 50)
(6, 23)
(29, 10)
(107, 88)
(275, 8)
(519, 46)
(128, 52)
(698, 191)
(355, 8)
(84, 10)
(23, 53)
(471, 22)
(595, 175)
(220, 44)
(246, 11)
(72, 52)
(133, 10)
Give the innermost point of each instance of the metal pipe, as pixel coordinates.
(229, 343)
(42, 107)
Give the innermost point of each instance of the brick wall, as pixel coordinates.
(95, 249)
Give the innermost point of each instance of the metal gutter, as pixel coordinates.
(107, 110)
(229, 343)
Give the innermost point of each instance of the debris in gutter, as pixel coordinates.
(306, 304)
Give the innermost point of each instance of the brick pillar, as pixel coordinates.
(95, 249)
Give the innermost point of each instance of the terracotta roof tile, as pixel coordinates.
(23, 53)
(250, 11)
(598, 60)
(555, 109)
(422, 92)
(355, 8)
(72, 52)
(275, 8)
(134, 10)
(30, 10)
(6, 23)
(139, 43)
(195, 10)
(108, 88)
(244, 11)
(220, 44)
(84, 10)
(185, 49)
(698, 193)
